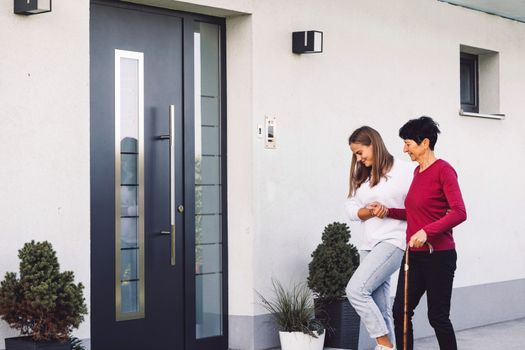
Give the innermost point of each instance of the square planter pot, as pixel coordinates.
(26, 343)
(344, 322)
(301, 341)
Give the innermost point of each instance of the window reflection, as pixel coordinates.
(208, 182)
(129, 185)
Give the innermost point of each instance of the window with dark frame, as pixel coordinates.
(469, 83)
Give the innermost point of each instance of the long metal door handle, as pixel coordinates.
(171, 138)
(172, 183)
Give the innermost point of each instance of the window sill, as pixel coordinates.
(482, 115)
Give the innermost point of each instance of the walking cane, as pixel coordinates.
(405, 315)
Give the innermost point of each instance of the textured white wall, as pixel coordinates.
(241, 216)
(44, 137)
(383, 63)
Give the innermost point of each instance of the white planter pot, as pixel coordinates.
(301, 341)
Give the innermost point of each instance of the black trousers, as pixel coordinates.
(433, 274)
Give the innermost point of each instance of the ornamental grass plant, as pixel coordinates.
(293, 309)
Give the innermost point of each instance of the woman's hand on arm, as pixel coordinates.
(377, 209)
(371, 210)
(356, 212)
(365, 214)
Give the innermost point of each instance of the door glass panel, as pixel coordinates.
(211, 258)
(208, 182)
(129, 185)
(210, 139)
(128, 232)
(209, 304)
(210, 111)
(128, 169)
(210, 167)
(208, 229)
(129, 266)
(209, 197)
(128, 201)
(129, 297)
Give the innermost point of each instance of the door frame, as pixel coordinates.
(218, 342)
(188, 98)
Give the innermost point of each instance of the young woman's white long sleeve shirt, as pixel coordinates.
(390, 192)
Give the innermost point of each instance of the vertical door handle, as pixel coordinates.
(171, 138)
(172, 183)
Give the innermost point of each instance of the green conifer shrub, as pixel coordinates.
(43, 303)
(333, 263)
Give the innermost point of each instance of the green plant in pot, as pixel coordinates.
(44, 304)
(294, 313)
(333, 263)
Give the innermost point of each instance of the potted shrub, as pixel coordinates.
(294, 313)
(44, 303)
(333, 263)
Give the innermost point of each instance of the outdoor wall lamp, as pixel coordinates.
(32, 7)
(307, 42)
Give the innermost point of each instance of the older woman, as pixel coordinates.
(434, 206)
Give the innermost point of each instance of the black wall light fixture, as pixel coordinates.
(32, 7)
(310, 41)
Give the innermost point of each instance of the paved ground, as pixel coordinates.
(500, 336)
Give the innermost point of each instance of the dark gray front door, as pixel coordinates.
(137, 286)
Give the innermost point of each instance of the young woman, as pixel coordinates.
(375, 176)
(434, 206)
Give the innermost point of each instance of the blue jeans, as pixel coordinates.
(369, 288)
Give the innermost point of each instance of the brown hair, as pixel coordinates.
(381, 165)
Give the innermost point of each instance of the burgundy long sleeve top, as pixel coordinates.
(434, 204)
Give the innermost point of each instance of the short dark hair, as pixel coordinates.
(419, 129)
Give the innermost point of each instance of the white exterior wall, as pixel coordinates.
(44, 137)
(383, 63)
(241, 171)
